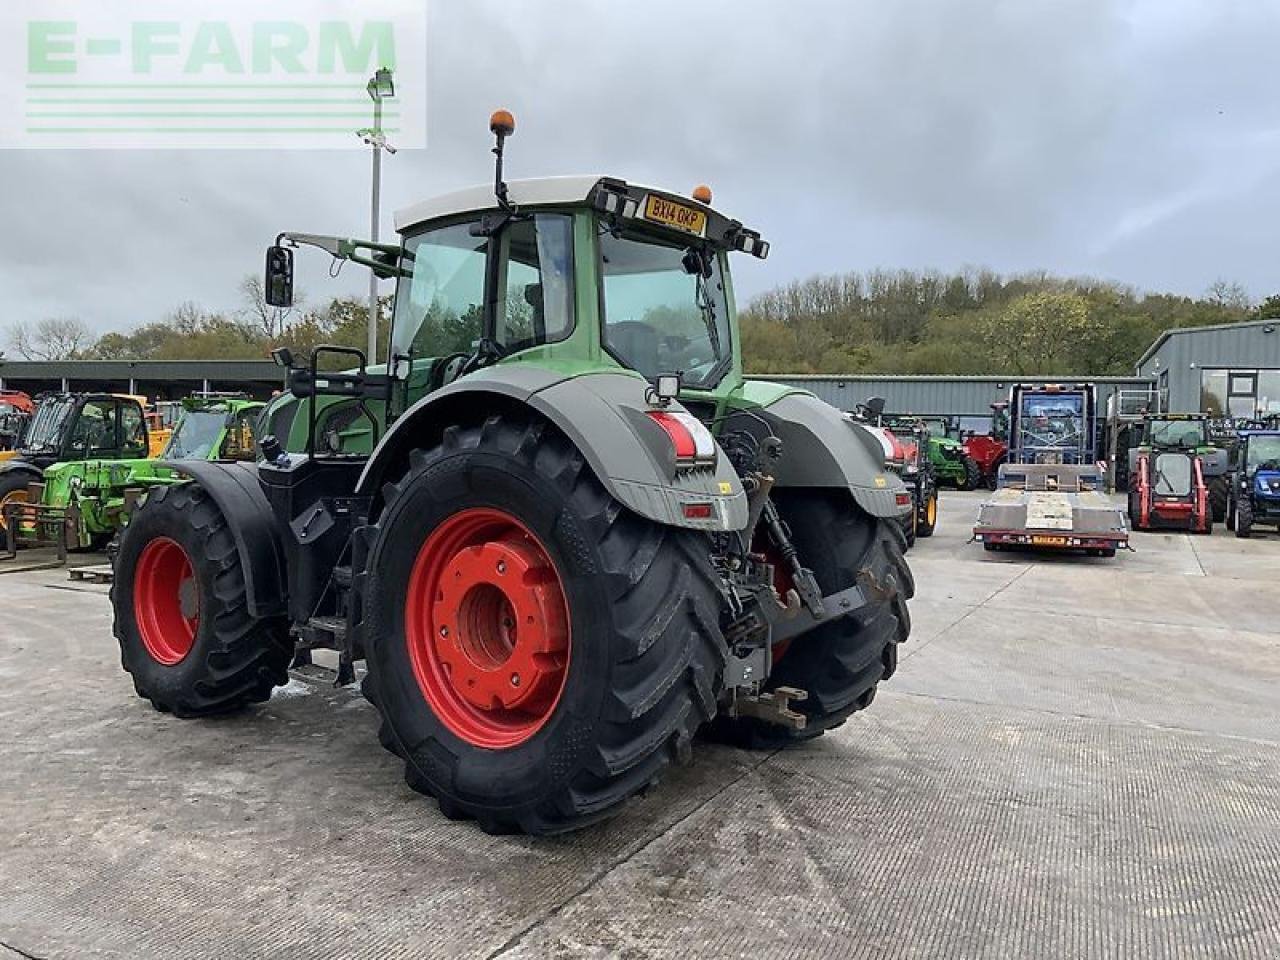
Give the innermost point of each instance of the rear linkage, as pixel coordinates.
(760, 614)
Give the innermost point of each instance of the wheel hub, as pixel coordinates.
(487, 628)
(500, 633)
(166, 601)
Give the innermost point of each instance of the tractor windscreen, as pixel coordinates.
(1264, 453)
(665, 308)
(1052, 427)
(1176, 433)
(46, 426)
(195, 435)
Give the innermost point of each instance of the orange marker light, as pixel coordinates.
(702, 193)
(502, 123)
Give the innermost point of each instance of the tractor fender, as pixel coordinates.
(603, 414)
(21, 466)
(234, 487)
(820, 448)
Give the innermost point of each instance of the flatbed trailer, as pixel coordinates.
(1050, 495)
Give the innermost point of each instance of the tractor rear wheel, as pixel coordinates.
(840, 662)
(992, 477)
(182, 620)
(538, 653)
(1218, 497)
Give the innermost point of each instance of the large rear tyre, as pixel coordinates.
(181, 616)
(538, 653)
(1218, 497)
(841, 662)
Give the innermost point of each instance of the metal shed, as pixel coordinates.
(1230, 370)
(967, 397)
(162, 379)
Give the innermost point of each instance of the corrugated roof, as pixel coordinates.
(1160, 340)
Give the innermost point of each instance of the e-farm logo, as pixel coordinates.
(150, 74)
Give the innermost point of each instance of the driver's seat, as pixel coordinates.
(636, 344)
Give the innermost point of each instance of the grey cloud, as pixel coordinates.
(1130, 139)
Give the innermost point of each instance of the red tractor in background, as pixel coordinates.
(1167, 485)
(991, 449)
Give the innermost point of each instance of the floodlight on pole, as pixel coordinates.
(381, 87)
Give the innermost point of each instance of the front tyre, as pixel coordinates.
(181, 615)
(1244, 517)
(972, 473)
(1218, 495)
(929, 513)
(538, 653)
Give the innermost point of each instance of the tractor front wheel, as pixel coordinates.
(840, 663)
(929, 514)
(972, 473)
(1218, 497)
(538, 653)
(13, 489)
(181, 617)
(1244, 518)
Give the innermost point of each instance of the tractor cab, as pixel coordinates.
(215, 428)
(84, 426)
(1255, 482)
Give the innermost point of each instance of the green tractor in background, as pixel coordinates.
(951, 465)
(82, 504)
(1190, 432)
(75, 429)
(560, 528)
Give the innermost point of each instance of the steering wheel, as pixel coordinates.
(446, 369)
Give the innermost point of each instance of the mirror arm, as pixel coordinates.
(343, 248)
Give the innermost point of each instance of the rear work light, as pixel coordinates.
(693, 443)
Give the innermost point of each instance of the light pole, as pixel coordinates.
(381, 87)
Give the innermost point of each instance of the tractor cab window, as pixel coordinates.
(45, 432)
(1263, 453)
(538, 306)
(439, 302)
(133, 431)
(661, 315)
(196, 433)
(95, 430)
(1175, 433)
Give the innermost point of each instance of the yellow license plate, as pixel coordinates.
(1049, 541)
(661, 210)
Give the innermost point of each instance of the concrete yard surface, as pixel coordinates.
(1078, 757)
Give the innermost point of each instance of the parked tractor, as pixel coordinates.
(951, 464)
(1190, 433)
(988, 451)
(16, 408)
(912, 436)
(71, 427)
(1167, 484)
(1255, 482)
(1049, 494)
(88, 501)
(575, 533)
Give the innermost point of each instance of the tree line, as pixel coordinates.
(972, 322)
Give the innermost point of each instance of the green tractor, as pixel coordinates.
(951, 464)
(74, 429)
(560, 528)
(1189, 432)
(82, 504)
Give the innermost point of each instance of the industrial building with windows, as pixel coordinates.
(1229, 370)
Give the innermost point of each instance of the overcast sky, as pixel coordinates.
(1135, 140)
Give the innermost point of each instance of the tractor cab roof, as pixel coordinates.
(642, 206)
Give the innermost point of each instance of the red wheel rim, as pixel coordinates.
(166, 601)
(487, 628)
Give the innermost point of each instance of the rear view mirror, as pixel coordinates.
(279, 277)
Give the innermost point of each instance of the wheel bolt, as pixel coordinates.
(502, 566)
(444, 632)
(515, 679)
